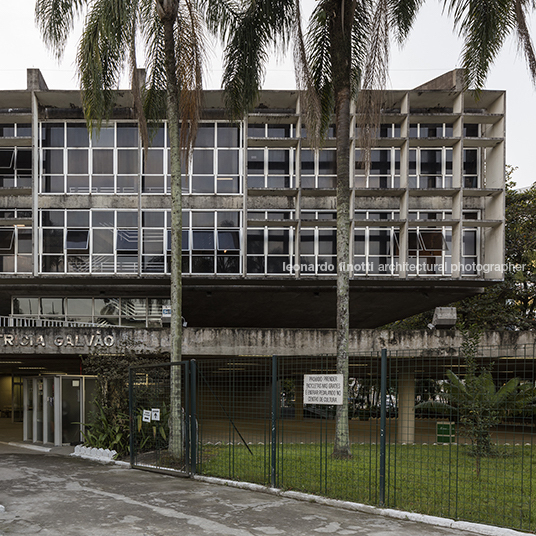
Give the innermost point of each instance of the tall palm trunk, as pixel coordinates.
(341, 34)
(168, 14)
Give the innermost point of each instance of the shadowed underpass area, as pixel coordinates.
(50, 494)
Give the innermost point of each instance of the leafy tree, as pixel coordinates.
(172, 38)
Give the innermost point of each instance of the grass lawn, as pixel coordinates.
(438, 480)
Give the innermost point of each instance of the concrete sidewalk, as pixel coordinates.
(52, 494)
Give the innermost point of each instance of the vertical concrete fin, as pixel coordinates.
(35, 80)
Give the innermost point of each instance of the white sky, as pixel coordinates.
(431, 50)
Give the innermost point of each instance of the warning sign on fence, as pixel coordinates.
(322, 389)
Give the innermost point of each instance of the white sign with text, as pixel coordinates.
(322, 389)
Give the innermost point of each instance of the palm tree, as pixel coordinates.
(347, 48)
(171, 33)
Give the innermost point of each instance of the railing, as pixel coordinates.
(33, 322)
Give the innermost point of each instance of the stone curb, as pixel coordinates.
(478, 528)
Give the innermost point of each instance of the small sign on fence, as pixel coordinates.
(323, 389)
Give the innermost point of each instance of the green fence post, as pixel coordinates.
(131, 414)
(274, 422)
(193, 419)
(383, 414)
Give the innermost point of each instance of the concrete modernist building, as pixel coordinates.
(85, 221)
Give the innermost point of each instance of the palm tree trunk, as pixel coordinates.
(169, 15)
(341, 34)
(342, 434)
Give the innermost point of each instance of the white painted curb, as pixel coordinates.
(478, 528)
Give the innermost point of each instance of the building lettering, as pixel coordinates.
(75, 341)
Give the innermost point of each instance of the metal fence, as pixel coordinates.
(429, 431)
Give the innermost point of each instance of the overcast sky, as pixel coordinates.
(431, 50)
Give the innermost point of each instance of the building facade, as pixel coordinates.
(85, 217)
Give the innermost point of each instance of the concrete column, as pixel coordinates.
(406, 407)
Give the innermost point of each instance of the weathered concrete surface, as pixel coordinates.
(235, 341)
(63, 496)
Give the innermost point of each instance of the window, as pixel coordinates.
(383, 172)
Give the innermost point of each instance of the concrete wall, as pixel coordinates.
(234, 341)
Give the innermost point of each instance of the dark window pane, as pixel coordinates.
(156, 136)
(307, 162)
(202, 240)
(205, 135)
(77, 184)
(53, 185)
(153, 219)
(127, 239)
(227, 264)
(7, 131)
(256, 161)
(103, 184)
(228, 185)
(77, 218)
(127, 184)
(203, 184)
(228, 219)
(24, 160)
(103, 161)
(103, 138)
(52, 161)
(53, 134)
(279, 131)
(77, 161)
(24, 130)
(77, 135)
(52, 218)
(25, 240)
(203, 264)
(154, 163)
(53, 263)
(127, 135)
(102, 218)
(380, 162)
(256, 130)
(52, 240)
(152, 184)
(430, 162)
(278, 162)
(228, 240)
(277, 265)
(77, 239)
(202, 219)
(203, 162)
(307, 242)
(127, 219)
(6, 159)
(327, 242)
(227, 162)
(255, 242)
(127, 162)
(278, 242)
(327, 163)
(103, 241)
(228, 136)
(255, 265)
(6, 239)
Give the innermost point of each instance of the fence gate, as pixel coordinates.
(161, 436)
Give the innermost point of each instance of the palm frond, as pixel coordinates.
(483, 26)
(261, 26)
(55, 20)
(402, 15)
(318, 45)
(523, 37)
(102, 55)
(190, 53)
